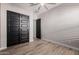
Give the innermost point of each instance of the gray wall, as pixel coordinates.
(0, 24)
(61, 24)
(34, 29)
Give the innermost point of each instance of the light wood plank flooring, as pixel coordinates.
(38, 47)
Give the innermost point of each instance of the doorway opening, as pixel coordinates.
(38, 28)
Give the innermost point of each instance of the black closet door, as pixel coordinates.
(17, 28)
(24, 28)
(38, 28)
(13, 28)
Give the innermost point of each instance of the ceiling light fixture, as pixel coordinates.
(42, 4)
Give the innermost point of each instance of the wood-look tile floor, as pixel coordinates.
(39, 47)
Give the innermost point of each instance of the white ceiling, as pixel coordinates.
(35, 7)
(43, 9)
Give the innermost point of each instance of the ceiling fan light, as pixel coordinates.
(42, 4)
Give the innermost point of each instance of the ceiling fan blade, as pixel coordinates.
(45, 7)
(36, 11)
(33, 4)
(39, 7)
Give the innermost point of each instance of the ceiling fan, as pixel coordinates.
(40, 5)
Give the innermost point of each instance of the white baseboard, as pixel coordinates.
(65, 45)
(3, 48)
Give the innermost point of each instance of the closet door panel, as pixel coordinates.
(13, 22)
(24, 27)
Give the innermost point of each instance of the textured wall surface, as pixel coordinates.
(61, 24)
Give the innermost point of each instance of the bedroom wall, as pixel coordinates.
(34, 25)
(34, 29)
(16, 8)
(0, 24)
(61, 25)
